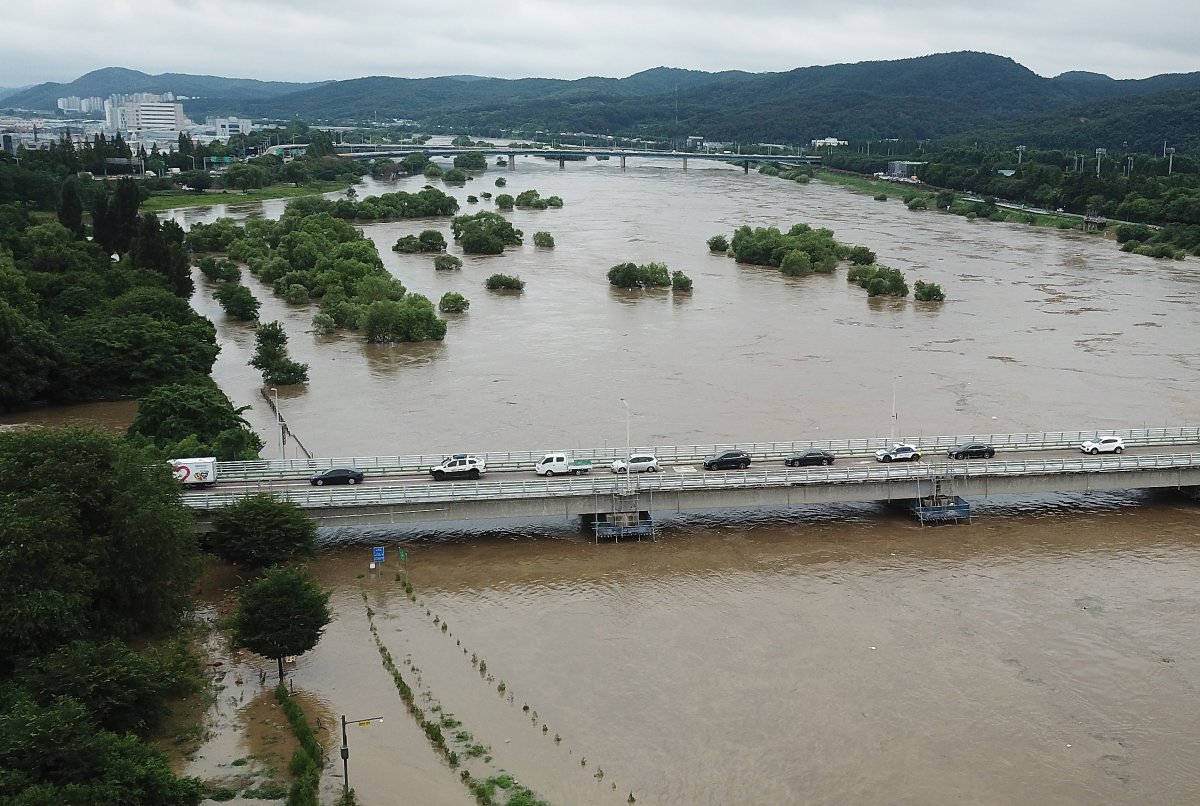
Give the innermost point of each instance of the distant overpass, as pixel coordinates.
(366, 152)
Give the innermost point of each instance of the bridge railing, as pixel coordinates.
(606, 486)
(692, 454)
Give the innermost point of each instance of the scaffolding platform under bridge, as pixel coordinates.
(624, 520)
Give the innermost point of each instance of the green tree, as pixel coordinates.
(504, 282)
(471, 161)
(928, 292)
(453, 302)
(718, 243)
(680, 281)
(260, 531)
(159, 247)
(238, 300)
(94, 540)
(70, 207)
(194, 419)
(284, 613)
(543, 239)
(447, 262)
(861, 256)
(56, 753)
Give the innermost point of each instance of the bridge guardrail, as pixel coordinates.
(691, 454)
(608, 485)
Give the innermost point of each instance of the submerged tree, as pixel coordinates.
(283, 614)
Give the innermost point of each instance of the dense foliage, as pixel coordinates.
(194, 419)
(98, 553)
(799, 251)
(631, 275)
(79, 326)
(308, 255)
(259, 531)
(484, 233)
(429, 240)
(271, 358)
(878, 280)
(453, 302)
(504, 282)
(284, 613)
(543, 239)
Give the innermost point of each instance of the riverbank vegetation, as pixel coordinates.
(504, 282)
(484, 233)
(82, 590)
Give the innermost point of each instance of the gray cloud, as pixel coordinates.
(310, 40)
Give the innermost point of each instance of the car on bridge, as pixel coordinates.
(638, 463)
(1103, 445)
(972, 450)
(728, 460)
(810, 457)
(458, 466)
(899, 452)
(337, 475)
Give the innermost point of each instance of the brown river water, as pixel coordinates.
(1044, 653)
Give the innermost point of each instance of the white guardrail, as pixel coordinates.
(607, 484)
(691, 454)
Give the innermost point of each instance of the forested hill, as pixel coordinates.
(931, 97)
(425, 98)
(119, 80)
(928, 97)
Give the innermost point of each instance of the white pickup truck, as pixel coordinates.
(560, 464)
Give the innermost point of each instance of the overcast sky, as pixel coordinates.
(314, 40)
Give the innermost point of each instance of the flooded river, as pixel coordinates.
(1045, 653)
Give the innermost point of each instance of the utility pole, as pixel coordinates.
(1020, 153)
(1100, 152)
(1170, 160)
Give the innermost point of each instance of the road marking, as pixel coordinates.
(683, 468)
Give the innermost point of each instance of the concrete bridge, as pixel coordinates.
(1165, 458)
(367, 152)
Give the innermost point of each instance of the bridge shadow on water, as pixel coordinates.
(857, 516)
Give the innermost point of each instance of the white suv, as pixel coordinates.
(1103, 445)
(638, 463)
(458, 466)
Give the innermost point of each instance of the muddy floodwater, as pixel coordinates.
(1042, 330)
(1044, 653)
(1030, 657)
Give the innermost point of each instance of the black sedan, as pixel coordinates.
(337, 475)
(729, 460)
(813, 457)
(972, 450)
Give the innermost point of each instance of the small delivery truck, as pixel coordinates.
(560, 464)
(195, 472)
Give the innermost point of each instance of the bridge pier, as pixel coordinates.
(745, 166)
(562, 162)
(512, 162)
(685, 164)
(622, 163)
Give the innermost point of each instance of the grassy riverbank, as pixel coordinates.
(172, 200)
(906, 193)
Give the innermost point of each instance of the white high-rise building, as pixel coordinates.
(143, 112)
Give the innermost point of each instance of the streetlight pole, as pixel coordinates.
(628, 449)
(346, 747)
(279, 423)
(894, 379)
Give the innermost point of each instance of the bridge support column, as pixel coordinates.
(512, 162)
(745, 166)
(562, 162)
(685, 164)
(622, 162)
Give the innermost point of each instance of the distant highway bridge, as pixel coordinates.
(366, 152)
(398, 489)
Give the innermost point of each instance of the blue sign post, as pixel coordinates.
(378, 554)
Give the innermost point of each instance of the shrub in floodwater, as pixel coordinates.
(504, 282)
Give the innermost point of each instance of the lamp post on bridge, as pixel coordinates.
(894, 380)
(628, 449)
